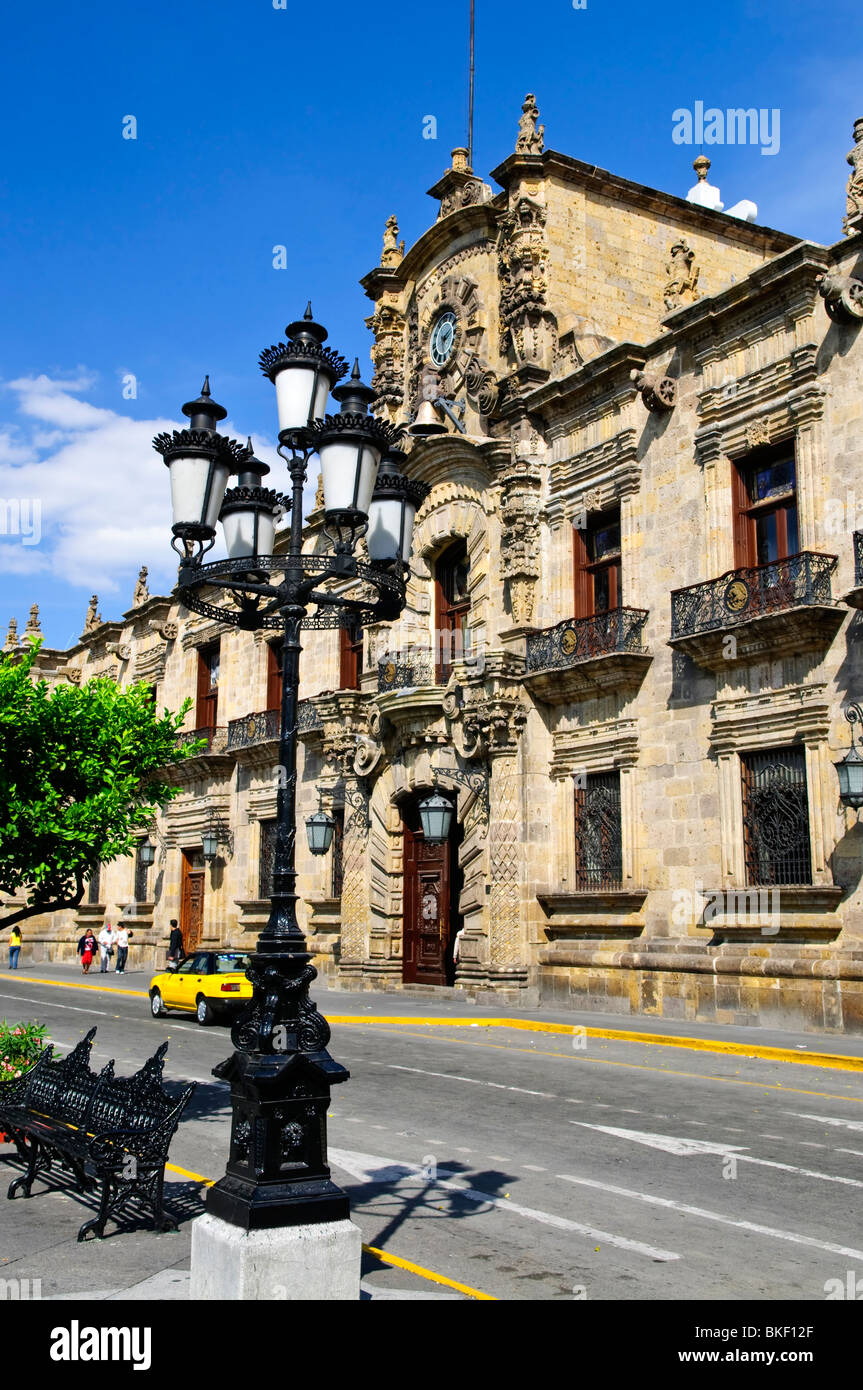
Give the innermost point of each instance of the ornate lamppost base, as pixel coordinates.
(299, 1262)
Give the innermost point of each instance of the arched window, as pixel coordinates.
(452, 606)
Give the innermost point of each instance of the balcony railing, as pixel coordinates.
(735, 597)
(858, 557)
(216, 739)
(583, 639)
(402, 675)
(253, 729)
(265, 727)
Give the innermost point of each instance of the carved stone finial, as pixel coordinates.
(459, 158)
(11, 644)
(658, 392)
(854, 192)
(33, 624)
(531, 138)
(682, 275)
(142, 593)
(394, 249)
(319, 494)
(93, 618)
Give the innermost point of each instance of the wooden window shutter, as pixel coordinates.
(582, 575)
(744, 541)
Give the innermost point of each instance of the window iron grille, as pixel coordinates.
(776, 817)
(267, 858)
(598, 846)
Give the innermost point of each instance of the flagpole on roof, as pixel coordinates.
(470, 94)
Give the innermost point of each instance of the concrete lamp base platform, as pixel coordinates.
(303, 1263)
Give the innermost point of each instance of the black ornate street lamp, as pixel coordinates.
(281, 1072)
(850, 769)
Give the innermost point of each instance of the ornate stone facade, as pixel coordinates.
(568, 314)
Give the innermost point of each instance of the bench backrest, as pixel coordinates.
(136, 1102)
(64, 1090)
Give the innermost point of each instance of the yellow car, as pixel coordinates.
(208, 984)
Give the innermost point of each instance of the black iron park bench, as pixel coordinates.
(106, 1130)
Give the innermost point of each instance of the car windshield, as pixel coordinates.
(231, 962)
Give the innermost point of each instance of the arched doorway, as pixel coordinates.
(431, 886)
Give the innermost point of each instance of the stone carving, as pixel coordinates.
(122, 650)
(682, 275)
(854, 191)
(527, 327)
(319, 493)
(394, 249)
(493, 719)
(11, 644)
(659, 393)
(34, 627)
(843, 296)
(142, 593)
(530, 136)
(93, 618)
(388, 381)
(473, 191)
(504, 876)
(758, 433)
(73, 675)
(481, 385)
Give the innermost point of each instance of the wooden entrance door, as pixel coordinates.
(430, 905)
(192, 901)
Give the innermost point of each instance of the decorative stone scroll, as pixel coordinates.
(842, 295)
(659, 393)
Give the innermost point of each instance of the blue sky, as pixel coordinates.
(303, 127)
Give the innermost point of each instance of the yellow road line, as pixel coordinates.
(732, 1049)
(427, 1273)
(529, 1025)
(382, 1255)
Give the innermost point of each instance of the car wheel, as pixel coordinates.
(203, 1012)
(157, 1008)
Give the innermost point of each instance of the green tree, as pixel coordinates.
(81, 775)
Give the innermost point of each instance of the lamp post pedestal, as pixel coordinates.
(300, 1263)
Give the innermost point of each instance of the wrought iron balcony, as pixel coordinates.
(215, 747)
(771, 610)
(255, 729)
(854, 598)
(582, 656)
(408, 674)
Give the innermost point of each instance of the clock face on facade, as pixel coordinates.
(443, 338)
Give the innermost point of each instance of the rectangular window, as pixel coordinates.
(141, 872)
(267, 858)
(598, 846)
(94, 886)
(338, 860)
(274, 675)
(452, 608)
(764, 487)
(207, 708)
(350, 656)
(776, 817)
(598, 586)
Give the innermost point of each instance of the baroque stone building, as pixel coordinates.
(630, 636)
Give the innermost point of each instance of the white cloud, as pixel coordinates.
(104, 494)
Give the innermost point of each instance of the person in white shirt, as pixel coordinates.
(123, 935)
(107, 938)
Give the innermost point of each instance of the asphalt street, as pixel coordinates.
(513, 1164)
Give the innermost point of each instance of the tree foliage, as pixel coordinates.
(82, 772)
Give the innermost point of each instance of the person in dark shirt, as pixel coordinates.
(175, 945)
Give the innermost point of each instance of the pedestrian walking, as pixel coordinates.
(14, 947)
(175, 945)
(107, 938)
(87, 947)
(123, 935)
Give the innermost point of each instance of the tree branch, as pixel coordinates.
(35, 909)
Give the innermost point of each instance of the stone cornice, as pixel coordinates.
(595, 747)
(600, 181)
(798, 266)
(799, 712)
(600, 380)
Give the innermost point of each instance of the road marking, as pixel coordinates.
(749, 1050)
(583, 1061)
(858, 1153)
(686, 1148)
(534, 1168)
(369, 1168)
(773, 1232)
(370, 1249)
(827, 1120)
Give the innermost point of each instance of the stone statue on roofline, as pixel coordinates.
(93, 618)
(531, 139)
(854, 193)
(12, 644)
(394, 249)
(142, 593)
(34, 627)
